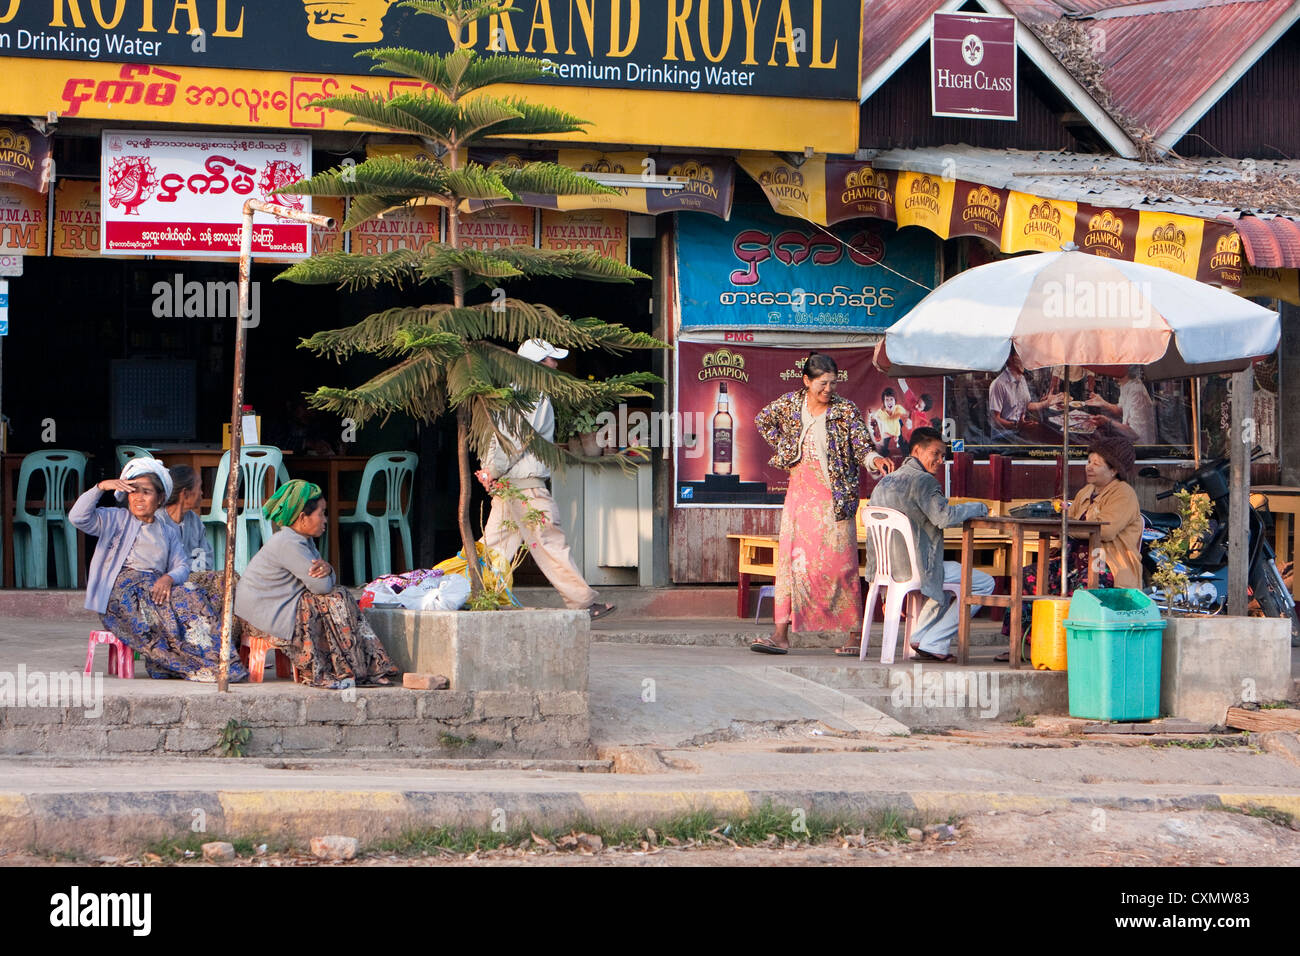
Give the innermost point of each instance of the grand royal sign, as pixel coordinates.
(789, 48)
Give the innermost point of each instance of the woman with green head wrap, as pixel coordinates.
(288, 596)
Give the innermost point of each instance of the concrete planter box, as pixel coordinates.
(542, 651)
(1209, 664)
(518, 678)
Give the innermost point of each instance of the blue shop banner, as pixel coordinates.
(762, 271)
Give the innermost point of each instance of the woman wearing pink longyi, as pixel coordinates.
(820, 438)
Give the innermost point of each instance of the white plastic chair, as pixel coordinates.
(902, 596)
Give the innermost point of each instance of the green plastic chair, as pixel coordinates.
(255, 462)
(397, 469)
(126, 452)
(56, 468)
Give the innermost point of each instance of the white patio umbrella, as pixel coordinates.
(1070, 308)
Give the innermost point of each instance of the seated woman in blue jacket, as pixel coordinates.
(139, 578)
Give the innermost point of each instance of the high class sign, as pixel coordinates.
(793, 48)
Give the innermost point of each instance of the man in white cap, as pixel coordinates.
(506, 528)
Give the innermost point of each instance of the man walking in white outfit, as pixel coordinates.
(506, 525)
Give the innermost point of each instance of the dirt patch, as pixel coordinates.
(1075, 837)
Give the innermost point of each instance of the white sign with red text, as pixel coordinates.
(182, 194)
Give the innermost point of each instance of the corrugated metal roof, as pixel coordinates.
(1270, 243)
(1254, 199)
(886, 24)
(1160, 57)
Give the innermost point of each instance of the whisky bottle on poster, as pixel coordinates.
(721, 433)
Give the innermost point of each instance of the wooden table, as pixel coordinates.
(758, 556)
(1016, 528)
(1283, 501)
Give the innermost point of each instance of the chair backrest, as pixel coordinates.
(126, 452)
(255, 462)
(55, 466)
(880, 525)
(396, 467)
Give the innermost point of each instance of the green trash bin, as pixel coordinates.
(1113, 641)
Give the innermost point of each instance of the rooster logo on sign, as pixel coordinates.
(131, 181)
(280, 172)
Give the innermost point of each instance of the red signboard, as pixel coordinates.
(973, 66)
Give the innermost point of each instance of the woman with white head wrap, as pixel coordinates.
(139, 575)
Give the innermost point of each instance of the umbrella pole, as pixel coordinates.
(1065, 484)
(1196, 421)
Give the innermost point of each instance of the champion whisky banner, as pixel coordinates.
(721, 460)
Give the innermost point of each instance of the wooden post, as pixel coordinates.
(1241, 443)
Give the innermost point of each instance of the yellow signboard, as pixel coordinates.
(194, 95)
(22, 221)
(798, 191)
(1037, 225)
(1170, 242)
(925, 200)
(602, 231)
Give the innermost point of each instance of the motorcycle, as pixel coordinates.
(1207, 566)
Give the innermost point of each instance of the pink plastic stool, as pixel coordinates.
(121, 659)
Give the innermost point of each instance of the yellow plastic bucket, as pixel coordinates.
(1047, 633)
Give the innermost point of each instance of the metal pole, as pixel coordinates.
(236, 419)
(1196, 421)
(1241, 442)
(1065, 485)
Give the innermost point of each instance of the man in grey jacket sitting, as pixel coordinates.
(913, 488)
(506, 527)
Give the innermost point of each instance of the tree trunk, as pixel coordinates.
(462, 507)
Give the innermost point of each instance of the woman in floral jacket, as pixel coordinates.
(820, 438)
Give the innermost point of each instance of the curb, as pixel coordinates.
(98, 822)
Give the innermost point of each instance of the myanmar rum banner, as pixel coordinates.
(764, 271)
(721, 459)
(76, 218)
(603, 231)
(22, 221)
(410, 227)
(498, 227)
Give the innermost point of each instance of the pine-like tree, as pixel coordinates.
(451, 356)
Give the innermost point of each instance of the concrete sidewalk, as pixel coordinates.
(683, 727)
(95, 807)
